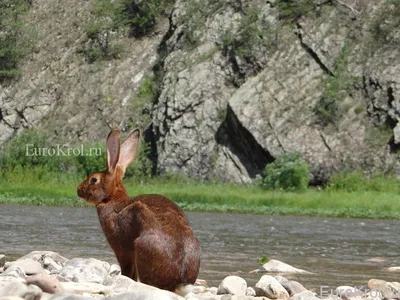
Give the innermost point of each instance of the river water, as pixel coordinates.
(336, 250)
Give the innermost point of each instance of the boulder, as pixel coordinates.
(19, 289)
(276, 266)
(39, 256)
(393, 269)
(341, 290)
(306, 295)
(29, 266)
(293, 287)
(353, 295)
(82, 288)
(268, 286)
(233, 285)
(47, 283)
(2, 260)
(118, 284)
(250, 292)
(5, 280)
(144, 293)
(85, 270)
(69, 297)
(14, 271)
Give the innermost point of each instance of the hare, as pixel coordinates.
(149, 234)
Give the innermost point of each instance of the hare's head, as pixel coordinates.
(103, 186)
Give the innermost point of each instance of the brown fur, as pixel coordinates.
(149, 234)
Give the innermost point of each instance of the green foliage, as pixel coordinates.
(194, 19)
(353, 181)
(336, 88)
(292, 10)
(19, 153)
(287, 172)
(18, 156)
(15, 43)
(384, 26)
(148, 89)
(263, 260)
(254, 35)
(115, 18)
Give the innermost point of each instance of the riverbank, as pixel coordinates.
(212, 197)
(49, 275)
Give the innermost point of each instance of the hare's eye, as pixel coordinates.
(93, 180)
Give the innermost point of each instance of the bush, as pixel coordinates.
(336, 88)
(288, 172)
(19, 152)
(14, 44)
(254, 36)
(292, 10)
(14, 159)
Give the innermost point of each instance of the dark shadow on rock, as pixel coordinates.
(233, 135)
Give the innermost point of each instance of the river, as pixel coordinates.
(336, 250)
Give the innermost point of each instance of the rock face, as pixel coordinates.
(325, 84)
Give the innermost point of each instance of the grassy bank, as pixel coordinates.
(224, 198)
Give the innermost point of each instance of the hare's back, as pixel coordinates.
(166, 212)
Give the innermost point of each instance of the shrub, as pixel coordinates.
(14, 43)
(292, 10)
(254, 36)
(336, 88)
(14, 158)
(288, 172)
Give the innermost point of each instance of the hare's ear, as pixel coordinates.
(113, 148)
(129, 149)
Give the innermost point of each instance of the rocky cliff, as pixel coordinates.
(239, 82)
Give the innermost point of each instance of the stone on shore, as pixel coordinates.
(270, 287)
(47, 283)
(233, 285)
(29, 266)
(276, 266)
(305, 295)
(293, 287)
(250, 292)
(20, 289)
(82, 288)
(2, 260)
(85, 270)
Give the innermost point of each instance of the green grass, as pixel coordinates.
(226, 198)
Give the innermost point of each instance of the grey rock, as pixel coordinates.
(114, 270)
(69, 297)
(47, 283)
(197, 289)
(142, 294)
(119, 283)
(280, 278)
(250, 292)
(85, 270)
(340, 290)
(276, 266)
(293, 287)
(306, 295)
(19, 289)
(268, 286)
(14, 271)
(233, 285)
(40, 256)
(29, 266)
(85, 288)
(5, 280)
(2, 260)
(213, 290)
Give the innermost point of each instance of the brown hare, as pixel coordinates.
(150, 235)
